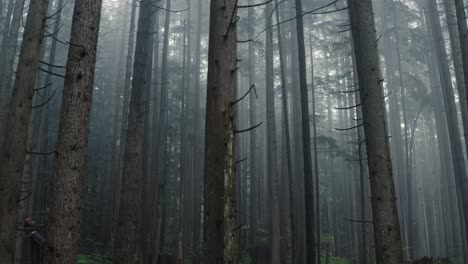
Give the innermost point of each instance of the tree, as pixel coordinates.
(220, 190)
(448, 96)
(307, 152)
(463, 36)
(128, 246)
(388, 245)
(7, 59)
(196, 148)
(161, 145)
(252, 137)
(70, 165)
(272, 168)
(15, 149)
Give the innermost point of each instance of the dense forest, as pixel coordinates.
(233, 131)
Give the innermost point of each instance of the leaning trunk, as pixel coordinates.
(388, 244)
(16, 138)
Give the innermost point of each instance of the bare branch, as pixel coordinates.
(252, 87)
(347, 108)
(46, 101)
(248, 129)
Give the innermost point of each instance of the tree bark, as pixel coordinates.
(316, 166)
(388, 244)
(70, 164)
(161, 145)
(272, 168)
(128, 243)
(220, 192)
(16, 138)
(307, 152)
(285, 109)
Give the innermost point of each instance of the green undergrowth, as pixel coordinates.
(93, 259)
(335, 260)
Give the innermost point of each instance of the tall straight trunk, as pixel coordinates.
(316, 166)
(463, 36)
(128, 82)
(197, 187)
(9, 44)
(161, 145)
(253, 139)
(145, 223)
(7, 60)
(462, 87)
(182, 155)
(460, 82)
(6, 25)
(307, 153)
(284, 104)
(153, 180)
(411, 223)
(461, 179)
(128, 246)
(220, 192)
(448, 191)
(457, 58)
(70, 164)
(41, 142)
(272, 167)
(113, 173)
(124, 115)
(15, 148)
(387, 236)
(187, 79)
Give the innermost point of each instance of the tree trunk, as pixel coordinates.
(70, 165)
(253, 140)
(125, 107)
(272, 168)
(220, 232)
(16, 138)
(316, 166)
(196, 148)
(308, 175)
(161, 145)
(128, 246)
(460, 82)
(41, 143)
(183, 179)
(463, 36)
(153, 181)
(6, 26)
(284, 103)
(388, 245)
(7, 60)
(461, 179)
